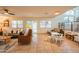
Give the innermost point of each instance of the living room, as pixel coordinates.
(32, 27)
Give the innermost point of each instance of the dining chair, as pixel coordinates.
(76, 38)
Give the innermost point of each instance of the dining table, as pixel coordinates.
(55, 33)
(56, 36)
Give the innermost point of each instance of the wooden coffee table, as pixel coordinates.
(6, 39)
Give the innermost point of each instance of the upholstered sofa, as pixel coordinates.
(25, 39)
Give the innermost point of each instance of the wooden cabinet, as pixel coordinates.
(69, 36)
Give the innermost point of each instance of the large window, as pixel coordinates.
(76, 26)
(17, 24)
(68, 26)
(14, 24)
(66, 19)
(71, 12)
(28, 24)
(42, 24)
(20, 24)
(45, 24)
(32, 25)
(71, 18)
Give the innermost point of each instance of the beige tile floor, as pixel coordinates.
(41, 44)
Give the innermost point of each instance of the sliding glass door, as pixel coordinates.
(32, 25)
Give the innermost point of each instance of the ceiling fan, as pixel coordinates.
(6, 12)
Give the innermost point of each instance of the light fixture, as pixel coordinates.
(57, 13)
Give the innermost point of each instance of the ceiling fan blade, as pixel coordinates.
(6, 12)
(11, 13)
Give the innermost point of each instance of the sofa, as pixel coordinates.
(25, 39)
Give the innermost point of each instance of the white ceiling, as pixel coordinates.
(36, 11)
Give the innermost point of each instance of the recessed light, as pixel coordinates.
(57, 13)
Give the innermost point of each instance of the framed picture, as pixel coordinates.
(6, 23)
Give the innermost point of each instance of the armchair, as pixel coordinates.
(25, 39)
